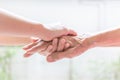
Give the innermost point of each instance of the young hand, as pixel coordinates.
(54, 31)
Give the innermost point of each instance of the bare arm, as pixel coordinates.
(14, 41)
(110, 38)
(14, 25)
(17, 26)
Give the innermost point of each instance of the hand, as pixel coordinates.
(56, 31)
(79, 48)
(46, 47)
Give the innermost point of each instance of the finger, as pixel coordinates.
(67, 45)
(75, 51)
(48, 50)
(70, 53)
(27, 55)
(57, 56)
(61, 44)
(54, 44)
(34, 39)
(34, 49)
(54, 57)
(30, 45)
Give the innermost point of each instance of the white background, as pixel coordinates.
(84, 16)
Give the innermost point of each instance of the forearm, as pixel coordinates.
(105, 39)
(14, 41)
(14, 25)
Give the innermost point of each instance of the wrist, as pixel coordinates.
(91, 41)
(87, 40)
(41, 31)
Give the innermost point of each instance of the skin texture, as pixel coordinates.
(46, 47)
(14, 41)
(57, 45)
(109, 38)
(12, 25)
(72, 52)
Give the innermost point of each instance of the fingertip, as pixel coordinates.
(34, 39)
(24, 48)
(27, 55)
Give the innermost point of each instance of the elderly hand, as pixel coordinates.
(46, 47)
(64, 47)
(79, 47)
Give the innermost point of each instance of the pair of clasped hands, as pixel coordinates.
(55, 44)
(67, 45)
